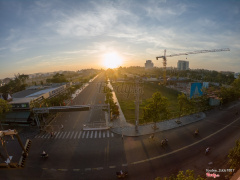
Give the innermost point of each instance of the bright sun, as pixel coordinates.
(112, 60)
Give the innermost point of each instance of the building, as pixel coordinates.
(183, 65)
(148, 64)
(23, 101)
(236, 75)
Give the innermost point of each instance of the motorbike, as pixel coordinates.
(121, 175)
(196, 132)
(164, 142)
(44, 155)
(207, 151)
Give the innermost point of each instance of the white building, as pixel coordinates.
(183, 65)
(148, 64)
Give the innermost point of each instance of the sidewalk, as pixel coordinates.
(129, 130)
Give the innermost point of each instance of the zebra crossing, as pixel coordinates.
(76, 135)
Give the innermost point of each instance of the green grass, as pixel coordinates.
(128, 106)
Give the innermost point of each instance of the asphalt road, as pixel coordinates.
(77, 154)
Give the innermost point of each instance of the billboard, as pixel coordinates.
(196, 90)
(206, 84)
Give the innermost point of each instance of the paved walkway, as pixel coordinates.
(129, 130)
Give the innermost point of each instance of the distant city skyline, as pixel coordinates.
(46, 36)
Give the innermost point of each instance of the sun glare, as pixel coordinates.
(112, 60)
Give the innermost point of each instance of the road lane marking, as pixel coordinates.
(43, 135)
(124, 164)
(61, 133)
(76, 169)
(71, 135)
(64, 134)
(96, 132)
(87, 134)
(107, 133)
(79, 134)
(91, 134)
(83, 134)
(57, 135)
(62, 169)
(68, 135)
(99, 134)
(103, 134)
(98, 168)
(185, 147)
(47, 136)
(112, 134)
(112, 167)
(75, 135)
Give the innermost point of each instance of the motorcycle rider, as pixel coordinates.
(207, 150)
(196, 132)
(166, 141)
(121, 172)
(44, 154)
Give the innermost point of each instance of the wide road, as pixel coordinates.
(94, 154)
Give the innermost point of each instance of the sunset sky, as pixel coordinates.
(45, 36)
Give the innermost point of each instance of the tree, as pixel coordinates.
(183, 104)
(4, 106)
(157, 109)
(57, 78)
(234, 156)
(188, 175)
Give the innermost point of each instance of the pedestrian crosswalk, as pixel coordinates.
(76, 135)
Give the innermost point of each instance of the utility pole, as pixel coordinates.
(137, 102)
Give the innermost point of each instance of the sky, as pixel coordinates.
(45, 36)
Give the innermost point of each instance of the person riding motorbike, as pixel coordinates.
(163, 142)
(44, 154)
(196, 132)
(121, 172)
(207, 150)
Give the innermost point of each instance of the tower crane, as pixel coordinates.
(180, 54)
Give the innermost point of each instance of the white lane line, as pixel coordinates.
(103, 134)
(68, 135)
(79, 135)
(43, 135)
(47, 136)
(99, 134)
(71, 135)
(107, 133)
(83, 134)
(64, 135)
(75, 135)
(61, 133)
(37, 136)
(124, 164)
(96, 132)
(91, 134)
(57, 135)
(112, 134)
(87, 134)
(76, 169)
(185, 147)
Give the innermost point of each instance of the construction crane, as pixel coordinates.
(180, 54)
